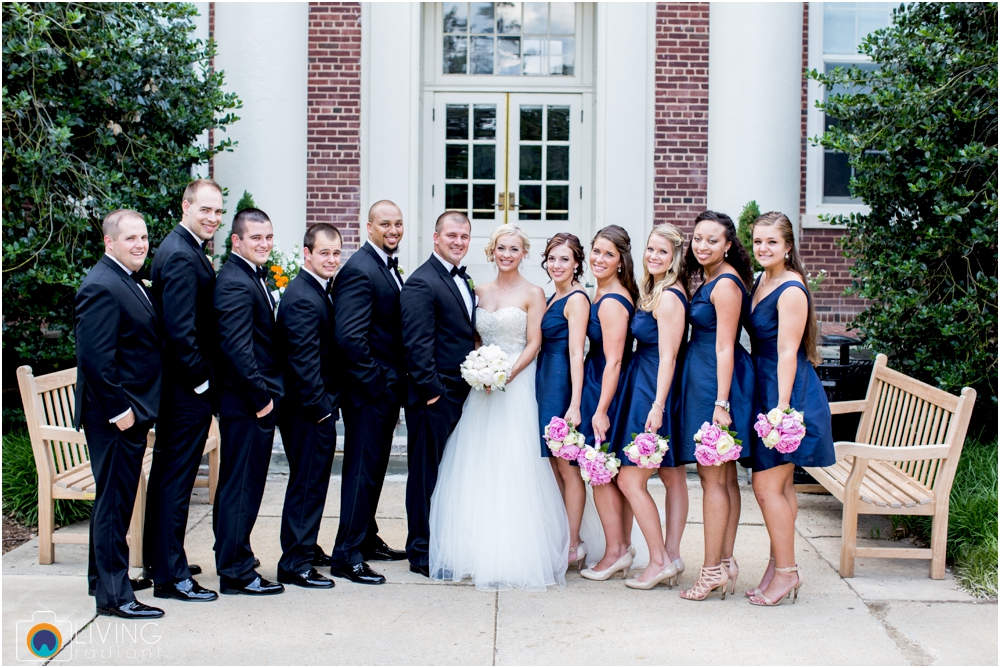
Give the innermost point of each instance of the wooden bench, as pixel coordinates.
(902, 462)
(63, 461)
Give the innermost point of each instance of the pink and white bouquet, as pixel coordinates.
(646, 450)
(597, 465)
(716, 444)
(563, 439)
(781, 430)
(486, 368)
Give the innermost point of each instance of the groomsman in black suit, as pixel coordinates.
(117, 399)
(184, 289)
(438, 311)
(252, 389)
(309, 421)
(366, 307)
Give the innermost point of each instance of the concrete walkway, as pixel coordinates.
(891, 613)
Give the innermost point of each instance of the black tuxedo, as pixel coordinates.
(306, 341)
(250, 378)
(118, 367)
(439, 332)
(366, 304)
(184, 289)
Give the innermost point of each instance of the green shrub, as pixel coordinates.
(744, 230)
(20, 486)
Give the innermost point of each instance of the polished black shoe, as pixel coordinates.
(147, 572)
(256, 563)
(140, 583)
(420, 570)
(132, 610)
(258, 587)
(195, 569)
(383, 553)
(309, 579)
(360, 573)
(185, 590)
(319, 559)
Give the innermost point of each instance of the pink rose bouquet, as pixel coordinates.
(646, 450)
(781, 430)
(563, 439)
(716, 444)
(597, 465)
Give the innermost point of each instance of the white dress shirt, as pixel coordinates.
(385, 260)
(463, 287)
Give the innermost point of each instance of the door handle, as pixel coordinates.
(511, 201)
(501, 201)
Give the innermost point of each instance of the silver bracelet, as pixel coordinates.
(657, 404)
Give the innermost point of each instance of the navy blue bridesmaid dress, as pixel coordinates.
(808, 396)
(640, 384)
(593, 372)
(699, 381)
(553, 383)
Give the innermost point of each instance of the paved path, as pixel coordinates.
(891, 613)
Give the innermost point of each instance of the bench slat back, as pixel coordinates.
(50, 400)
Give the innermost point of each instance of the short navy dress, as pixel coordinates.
(699, 381)
(640, 384)
(808, 396)
(593, 372)
(553, 382)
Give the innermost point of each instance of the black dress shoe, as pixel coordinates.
(147, 572)
(140, 583)
(383, 553)
(195, 569)
(258, 587)
(256, 563)
(185, 590)
(132, 610)
(420, 570)
(319, 558)
(310, 579)
(360, 573)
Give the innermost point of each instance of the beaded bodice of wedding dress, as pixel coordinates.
(506, 328)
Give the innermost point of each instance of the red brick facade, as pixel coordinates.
(333, 186)
(680, 159)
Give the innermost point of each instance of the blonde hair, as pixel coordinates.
(504, 231)
(650, 291)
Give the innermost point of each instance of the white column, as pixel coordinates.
(390, 116)
(755, 106)
(263, 50)
(626, 56)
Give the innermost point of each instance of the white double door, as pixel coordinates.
(508, 158)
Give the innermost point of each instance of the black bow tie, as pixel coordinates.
(393, 263)
(138, 277)
(262, 274)
(459, 271)
(329, 287)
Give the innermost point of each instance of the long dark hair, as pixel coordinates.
(575, 247)
(626, 271)
(736, 256)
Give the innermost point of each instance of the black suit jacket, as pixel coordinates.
(306, 343)
(437, 330)
(118, 346)
(251, 367)
(184, 289)
(367, 326)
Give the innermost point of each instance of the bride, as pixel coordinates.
(496, 514)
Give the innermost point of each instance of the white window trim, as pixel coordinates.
(815, 207)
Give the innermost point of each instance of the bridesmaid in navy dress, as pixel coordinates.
(607, 360)
(651, 402)
(718, 385)
(783, 333)
(559, 377)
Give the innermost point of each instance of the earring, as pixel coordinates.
(726, 254)
(786, 256)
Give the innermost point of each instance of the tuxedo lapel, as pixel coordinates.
(189, 240)
(245, 266)
(311, 282)
(144, 298)
(383, 268)
(450, 282)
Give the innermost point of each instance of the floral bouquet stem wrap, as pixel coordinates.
(716, 444)
(486, 368)
(646, 450)
(781, 430)
(563, 439)
(597, 465)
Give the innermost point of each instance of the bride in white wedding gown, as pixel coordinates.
(496, 514)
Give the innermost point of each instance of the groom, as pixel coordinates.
(438, 313)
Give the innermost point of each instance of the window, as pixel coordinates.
(509, 38)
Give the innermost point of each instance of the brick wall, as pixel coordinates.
(680, 160)
(333, 186)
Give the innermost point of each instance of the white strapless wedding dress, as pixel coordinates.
(496, 514)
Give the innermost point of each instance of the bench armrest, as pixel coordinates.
(843, 407)
(896, 454)
(62, 434)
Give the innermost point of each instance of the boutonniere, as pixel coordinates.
(148, 283)
(471, 283)
(400, 270)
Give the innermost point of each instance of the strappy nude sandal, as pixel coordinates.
(756, 591)
(709, 579)
(733, 571)
(793, 592)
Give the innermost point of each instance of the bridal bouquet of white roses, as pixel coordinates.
(486, 368)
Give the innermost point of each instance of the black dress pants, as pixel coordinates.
(309, 448)
(245, 457)
(427, 432)
(181, 430)
(368, 430)
(116, 460)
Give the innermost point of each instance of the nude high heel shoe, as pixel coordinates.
(668, 574)
(733, 571)
(792, 593)
(679, 565)
(756, 591)
(709, 579)
(577, 556)
(623, 564)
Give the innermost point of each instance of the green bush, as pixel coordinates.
(103, 105)
(921, 135)
(744, 230)
(20, 486)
